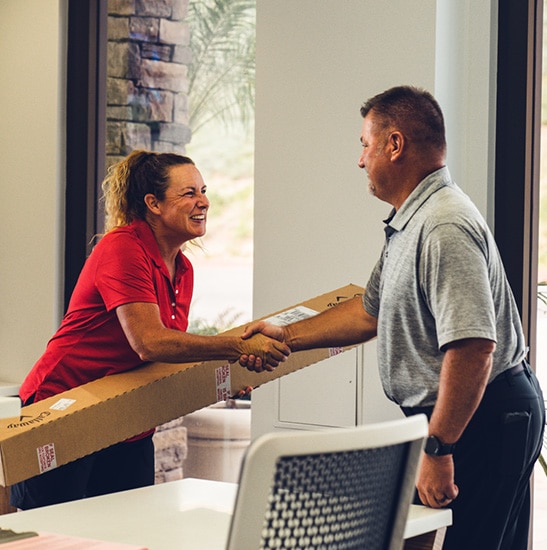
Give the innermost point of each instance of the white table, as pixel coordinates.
(188, 513)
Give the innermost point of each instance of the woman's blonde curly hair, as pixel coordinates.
(130, 180)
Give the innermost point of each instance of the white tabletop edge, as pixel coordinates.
(168, 515)
(422, 519)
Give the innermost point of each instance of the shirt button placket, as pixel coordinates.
(174, 304)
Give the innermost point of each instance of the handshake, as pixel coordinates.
(263, 347)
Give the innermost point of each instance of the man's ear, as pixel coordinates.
(397, 143)
(151, 202)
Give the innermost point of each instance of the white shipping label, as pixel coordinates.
(291, 316)
(62, 404)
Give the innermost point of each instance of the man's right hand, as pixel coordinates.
(261, 351)
(254, 362)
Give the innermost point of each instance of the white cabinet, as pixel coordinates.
(324, 394)
(341, 391)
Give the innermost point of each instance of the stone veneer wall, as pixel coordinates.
(147, 77)
(148, 55)
(170, 450)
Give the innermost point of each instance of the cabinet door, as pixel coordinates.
(342, 391)
(321, 395)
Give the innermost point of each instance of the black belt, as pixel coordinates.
(513, 371)
(509, 373)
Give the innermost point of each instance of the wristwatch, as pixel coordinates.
(435, 447)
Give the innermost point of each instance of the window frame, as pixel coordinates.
(85, 133)
(517, 156)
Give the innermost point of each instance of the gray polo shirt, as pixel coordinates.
(439, 279)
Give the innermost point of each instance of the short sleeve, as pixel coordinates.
(124, 272)
(455, 284)
(371, 297)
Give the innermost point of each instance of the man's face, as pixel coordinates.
(375, 157)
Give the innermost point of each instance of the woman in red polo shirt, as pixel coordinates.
(129, 306)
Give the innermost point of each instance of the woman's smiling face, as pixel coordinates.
(183, 211)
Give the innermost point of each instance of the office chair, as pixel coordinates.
(340, 488)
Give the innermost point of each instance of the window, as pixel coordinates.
(180, 78)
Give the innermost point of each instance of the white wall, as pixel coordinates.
(316, 226)
(31, 105)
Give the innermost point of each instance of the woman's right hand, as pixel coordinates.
(258, 362)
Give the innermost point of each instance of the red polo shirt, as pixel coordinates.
(125, 267)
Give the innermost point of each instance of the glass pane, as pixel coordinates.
(180, 78)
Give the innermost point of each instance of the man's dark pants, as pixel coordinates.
(493, 462)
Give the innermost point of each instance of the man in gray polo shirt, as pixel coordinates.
(450, 340)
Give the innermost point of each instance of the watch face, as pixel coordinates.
(432, 445)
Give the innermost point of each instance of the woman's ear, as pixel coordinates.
(151, 202)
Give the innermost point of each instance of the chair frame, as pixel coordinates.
(259, 464)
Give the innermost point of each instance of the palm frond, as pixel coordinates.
(221, 76)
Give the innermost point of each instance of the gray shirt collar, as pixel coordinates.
(397, 220)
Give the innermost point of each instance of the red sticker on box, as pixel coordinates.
(223, 383)
(47, 460)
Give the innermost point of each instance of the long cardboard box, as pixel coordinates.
(93, 416)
